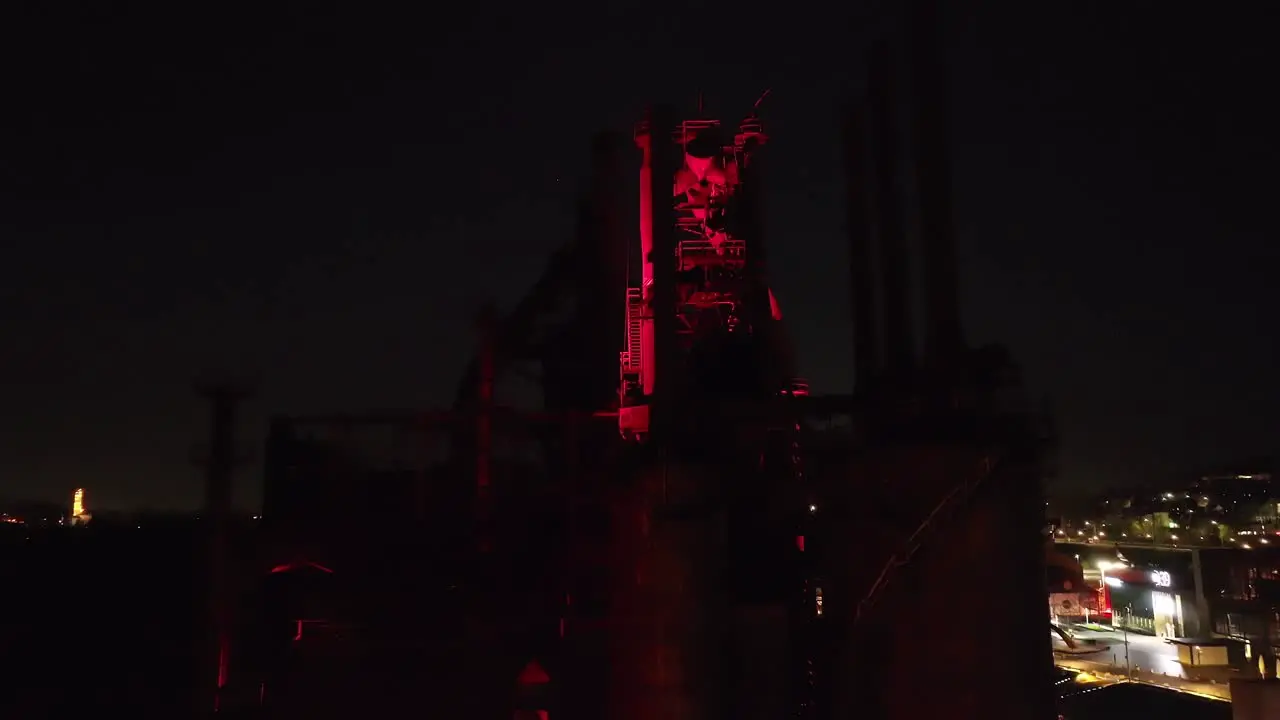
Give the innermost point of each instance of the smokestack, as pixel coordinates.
(660, 156)
(605, 175)
(943, 335)
(749, 224)
(220, 465)
(486, 322)
(584, 375)
(887, 217)
(858, 226)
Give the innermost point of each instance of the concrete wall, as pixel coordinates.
(1255, 699)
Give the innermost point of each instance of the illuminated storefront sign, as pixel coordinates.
(1161, 578)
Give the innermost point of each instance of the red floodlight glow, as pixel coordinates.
(290, 567)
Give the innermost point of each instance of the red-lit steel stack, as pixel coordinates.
(702, 318)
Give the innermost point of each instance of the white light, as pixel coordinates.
(1113, 581)
(1161, 578)
(813, 508)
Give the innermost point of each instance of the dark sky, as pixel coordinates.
(318, 197)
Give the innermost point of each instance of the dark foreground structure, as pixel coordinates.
(684, 531)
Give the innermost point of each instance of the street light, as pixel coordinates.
(1128, 670)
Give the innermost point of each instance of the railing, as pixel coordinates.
(1213, 688)
(691, 253)
(690, 128)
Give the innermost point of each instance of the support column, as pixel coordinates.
(666, 370)
(888, 219)
(215, 663)
(943, 335)
(866, 351)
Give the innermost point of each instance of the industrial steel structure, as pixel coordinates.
(701, 271)
(738, 554)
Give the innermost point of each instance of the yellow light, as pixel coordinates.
(77, 503)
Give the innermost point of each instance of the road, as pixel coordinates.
(1145, 652)
(1150, 660)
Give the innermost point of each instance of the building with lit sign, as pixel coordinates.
(1148, 601)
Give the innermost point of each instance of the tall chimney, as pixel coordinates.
(486, 322)
(220, 466)
(943, 334)
(887, 217)
(750, 225)
(604, 281)
(866, 352)
(660, 158)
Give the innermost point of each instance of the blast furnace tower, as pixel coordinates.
(702, 316)
(701, 543)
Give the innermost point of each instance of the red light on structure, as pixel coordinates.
(290, 567)
(533, 674)
(531, 685)
(224, 655)
(800, 543)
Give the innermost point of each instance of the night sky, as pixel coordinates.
(318, 198)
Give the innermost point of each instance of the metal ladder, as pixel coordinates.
(633, 357)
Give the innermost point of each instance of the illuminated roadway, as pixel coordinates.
(1145, 652)
(1151, 661)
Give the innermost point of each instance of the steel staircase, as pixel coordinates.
(951, 503)
(632, 359)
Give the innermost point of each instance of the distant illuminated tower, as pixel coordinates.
(79, 515)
